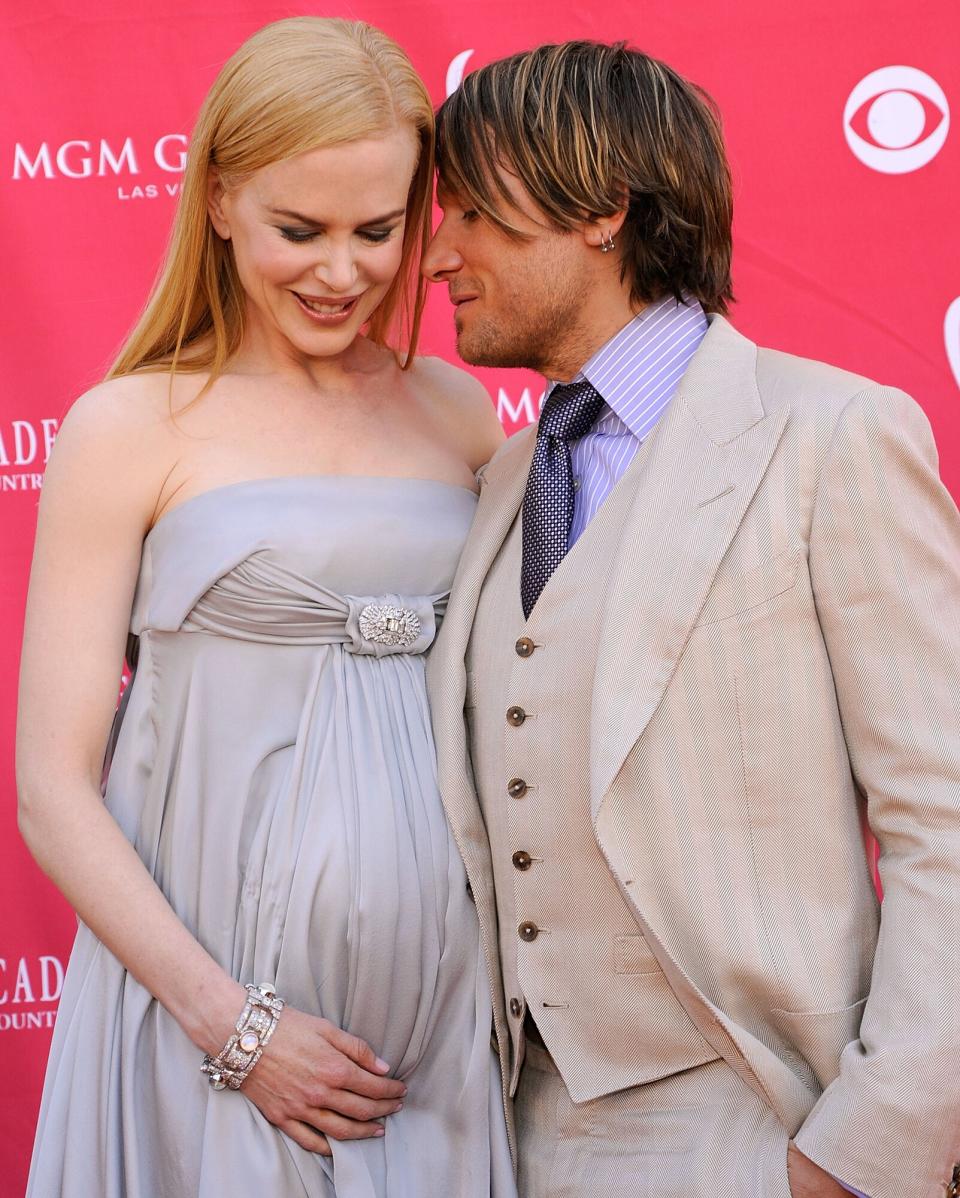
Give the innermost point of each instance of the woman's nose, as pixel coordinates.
(337, 270)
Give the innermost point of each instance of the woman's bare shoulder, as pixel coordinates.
(140, 405)
(450, 380)
(130, 400)
(463, 406)
(119, 434)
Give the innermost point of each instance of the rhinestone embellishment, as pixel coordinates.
(249, 1041)
(389, 625)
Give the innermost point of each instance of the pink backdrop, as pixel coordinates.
(847, 174)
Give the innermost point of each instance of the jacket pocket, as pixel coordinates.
(820, 1036)
(736, 592)
(631, 954)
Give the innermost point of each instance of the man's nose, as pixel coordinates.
(441, 258)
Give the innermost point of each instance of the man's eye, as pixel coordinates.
(470, 215)
(297, 234)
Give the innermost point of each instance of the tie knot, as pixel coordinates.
(570, 410)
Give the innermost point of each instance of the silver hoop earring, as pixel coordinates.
(607, 244)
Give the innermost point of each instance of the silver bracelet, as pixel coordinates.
(257, 1023)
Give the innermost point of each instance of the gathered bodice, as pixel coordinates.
(365, 562)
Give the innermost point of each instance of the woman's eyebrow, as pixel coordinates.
(309, 220)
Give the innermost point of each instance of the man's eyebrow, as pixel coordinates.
(309, 220)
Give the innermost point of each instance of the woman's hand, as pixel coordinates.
(316, 1081)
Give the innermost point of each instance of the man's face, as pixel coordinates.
(518, 302)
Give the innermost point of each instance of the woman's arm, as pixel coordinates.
(98, 497)
(100, 492)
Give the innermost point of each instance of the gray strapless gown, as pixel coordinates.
(275, 771)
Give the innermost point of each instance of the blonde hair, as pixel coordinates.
(295, 85)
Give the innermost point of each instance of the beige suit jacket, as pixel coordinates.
(779, 664)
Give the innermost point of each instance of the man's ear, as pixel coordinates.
(602, 230)
(215, 205)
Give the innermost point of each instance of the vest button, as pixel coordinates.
(528, 931)
(525, 647)
(517, 788)
(522, 859)
(516, 716)
(516, 1006)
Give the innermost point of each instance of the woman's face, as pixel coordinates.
(317, 240)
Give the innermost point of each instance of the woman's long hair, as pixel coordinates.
(295, 85)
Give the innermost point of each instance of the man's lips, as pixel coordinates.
(459, 300)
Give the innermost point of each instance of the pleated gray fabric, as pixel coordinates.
(275, 771)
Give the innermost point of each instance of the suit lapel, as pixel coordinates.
(704, 462)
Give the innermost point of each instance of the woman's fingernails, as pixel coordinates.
(383, 1066)
(381, 1131)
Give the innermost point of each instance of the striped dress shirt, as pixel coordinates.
(637, 372)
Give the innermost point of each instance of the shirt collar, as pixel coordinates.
(637, 371)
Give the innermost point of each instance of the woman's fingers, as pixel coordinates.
(358, 1081)
(357, 1050)
(317, 1075)
(331, 1124)
(363, 1109)
(307, 1137)
(359, 1069)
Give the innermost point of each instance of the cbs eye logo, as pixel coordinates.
(456, 70)
(951, 337)
(896, 120)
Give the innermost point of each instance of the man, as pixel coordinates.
(706, 626)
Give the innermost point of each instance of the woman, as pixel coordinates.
(273, 503)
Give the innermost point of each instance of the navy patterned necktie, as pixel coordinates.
(567, 415)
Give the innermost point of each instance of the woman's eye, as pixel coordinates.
(375, 236)
(470, 215)
(371, 236)
(298, 234)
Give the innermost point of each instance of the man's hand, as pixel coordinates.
(808, 1180)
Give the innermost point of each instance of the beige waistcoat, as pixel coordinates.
(587, 971)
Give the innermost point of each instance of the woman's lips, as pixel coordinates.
(324, 311)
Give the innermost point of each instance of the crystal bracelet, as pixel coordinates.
(257, 1023)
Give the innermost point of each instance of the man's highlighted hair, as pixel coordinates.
(588, 129)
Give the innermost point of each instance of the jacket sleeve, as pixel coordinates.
(885, 564)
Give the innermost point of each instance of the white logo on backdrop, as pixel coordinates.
(24, 450)
(86, 158)
(951, 337)
(81, 158)
(896, 119)
(525, 411)
(455, 71)
(29, 982)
